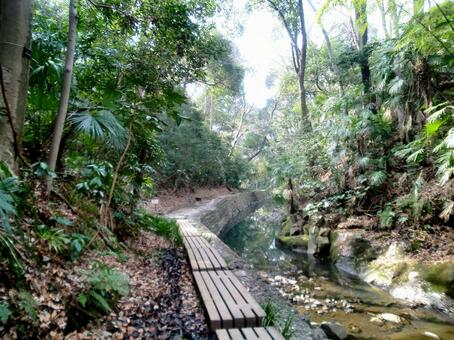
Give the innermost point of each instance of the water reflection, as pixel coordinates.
(254, 240)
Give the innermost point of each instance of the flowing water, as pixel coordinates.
(327, 294)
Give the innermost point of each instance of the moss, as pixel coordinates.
(333, 253)
(299, 241)
(440, 275)
(286, 226)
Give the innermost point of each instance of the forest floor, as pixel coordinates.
(162, 303)
(173, 200)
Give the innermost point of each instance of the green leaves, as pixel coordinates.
(5, 313)
(98, 124)
(105, 287)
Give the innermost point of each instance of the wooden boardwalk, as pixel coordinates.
(232, 311)
(256, 333)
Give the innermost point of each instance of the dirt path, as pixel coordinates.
(171, 201)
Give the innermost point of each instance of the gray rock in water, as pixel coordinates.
(334, 330)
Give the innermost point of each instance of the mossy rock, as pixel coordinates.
(440, 275)
(286, 226)
(299, 241)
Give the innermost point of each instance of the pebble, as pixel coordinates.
(431, 335)
(377, 321)
(390, 317)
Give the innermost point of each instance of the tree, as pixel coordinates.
(334, 65)
(15, 36)
(66, 88)
(292, 16)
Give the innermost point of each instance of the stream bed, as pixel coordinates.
(323, 293)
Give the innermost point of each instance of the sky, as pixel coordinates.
(265, 47)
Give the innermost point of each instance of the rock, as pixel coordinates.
(334, 330)
(319, 244)
(431, 335)
(295, 230)
(377, 321)
(390, 317)
(354, 329)
(350, 250)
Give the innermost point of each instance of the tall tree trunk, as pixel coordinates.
(394, 18)
(334, 66)
(15, 39)
(381, 7)
(362, 32)
(302, 66)
(66, 88)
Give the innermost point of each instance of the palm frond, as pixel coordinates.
(98, 124)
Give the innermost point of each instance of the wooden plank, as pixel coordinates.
(187, 229)
(214, 315)
(235, 334)
(217, 300)
(210, 253)
(249, 334)
(244, 305)
(214, 254)
(262, 333)
(275, 333)
(256, 333)
(228, 298)
(203, 261)
(192, 259)
(250, 303)
(201, 255)
(222, 334)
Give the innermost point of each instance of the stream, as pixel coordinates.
(324, 293)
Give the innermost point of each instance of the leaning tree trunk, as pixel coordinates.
(15, 38)
(66, 88)
(302, 66)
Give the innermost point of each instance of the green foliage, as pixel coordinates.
(78, 243)
(28, 304)
(105, 287)
(196, 156)
(287, 329)
(9, 186)
(164, 227)
(5, 312)
(414, 203)
(41, 169)
(57, 240)
(386, 217)
(271, 314)
(96, 180)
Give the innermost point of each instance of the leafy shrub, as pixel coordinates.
(5, 312)
(96, 180)
(105, 287)
(166, 228)
(8, 188)
(386, 217)
(56, 238)
(28, 304)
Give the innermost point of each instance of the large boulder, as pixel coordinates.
(334, 330)
(350, 250)
(319, 243)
